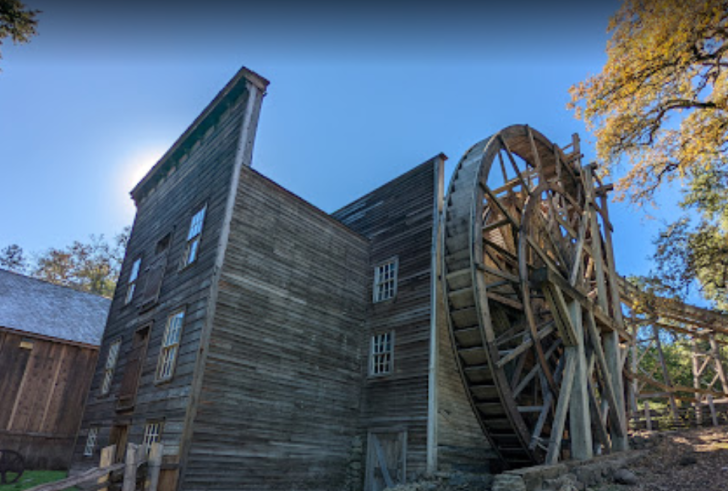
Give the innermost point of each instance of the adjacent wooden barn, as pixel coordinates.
(49, 341)
(270, 345)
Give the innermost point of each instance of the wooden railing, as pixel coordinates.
(98, 478)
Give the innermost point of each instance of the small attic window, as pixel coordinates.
(26, 343)
(131, 287)
(194, 235)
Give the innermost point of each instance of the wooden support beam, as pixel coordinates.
(719, 369)
(609, 395)
(560, 311)
(611, 339)
(582, 446)
(665, 374)
(108, 455)
(597, 420)
(154, 466)
(648, 416)
(581, 239)
(562, 407)
(713, 415)
(696, 382)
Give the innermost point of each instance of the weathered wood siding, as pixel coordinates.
(398, 218)
(196, 173)
(279, 401)
(43, 388)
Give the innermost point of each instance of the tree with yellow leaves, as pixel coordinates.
(660, 106)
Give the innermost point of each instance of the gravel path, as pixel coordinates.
(690, 460)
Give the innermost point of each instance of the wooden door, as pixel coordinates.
(386, 459)
(118, 437)
(134, 364)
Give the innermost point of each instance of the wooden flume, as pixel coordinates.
(533, 299)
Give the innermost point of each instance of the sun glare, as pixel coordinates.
(131, 170)
(136, 167)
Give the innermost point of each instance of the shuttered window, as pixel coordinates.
(135, 358)
(131, 287)
(93, 434)
(193, 237)
(155, 273)
(385, 280)
(381, 357)
(170, 346)
(110, 366)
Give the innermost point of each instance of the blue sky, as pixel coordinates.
(359, 94)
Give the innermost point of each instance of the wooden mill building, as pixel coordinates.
(49, 343)
(270, 345)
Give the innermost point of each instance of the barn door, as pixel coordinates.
(386, 459)
(134, 363)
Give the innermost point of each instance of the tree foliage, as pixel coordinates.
(13, 258)
(660, 105)
(17, 21)
(91, 266)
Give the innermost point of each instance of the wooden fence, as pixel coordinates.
(140, 472)
(712, 413)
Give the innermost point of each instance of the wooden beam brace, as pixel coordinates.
(560, 311)
(610, 396)
(562, 407)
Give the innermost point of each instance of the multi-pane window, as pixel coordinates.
(110, 365)
(133, 280)
(93, 434)
(193, 236)
(385, 280)
(381, 357)
(170, 346)
(152, 432)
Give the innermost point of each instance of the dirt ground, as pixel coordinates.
(689, 460)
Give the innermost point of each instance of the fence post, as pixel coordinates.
(713, 416)
(107, 458)
(130, 468)
(154, 466)
(648, 417)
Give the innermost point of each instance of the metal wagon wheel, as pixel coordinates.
(12, 466)
(515, 210)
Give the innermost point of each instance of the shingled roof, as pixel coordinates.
(35, 306)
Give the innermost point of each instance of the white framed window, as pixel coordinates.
(381, 354)
(131, 286)
(91, 438)
(152, 434)
(170, 346)
(385, 280)
(110, 366)
(193, 236)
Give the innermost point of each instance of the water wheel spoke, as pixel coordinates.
(519, 174)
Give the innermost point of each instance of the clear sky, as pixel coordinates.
(359, 94)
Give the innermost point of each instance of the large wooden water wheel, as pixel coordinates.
(529, 279)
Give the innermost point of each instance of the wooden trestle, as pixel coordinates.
(533, 299)
(652, 322)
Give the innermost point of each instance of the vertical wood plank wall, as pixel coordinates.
(42, 393)
(280, 395)
(398, 219)
(200, 176)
